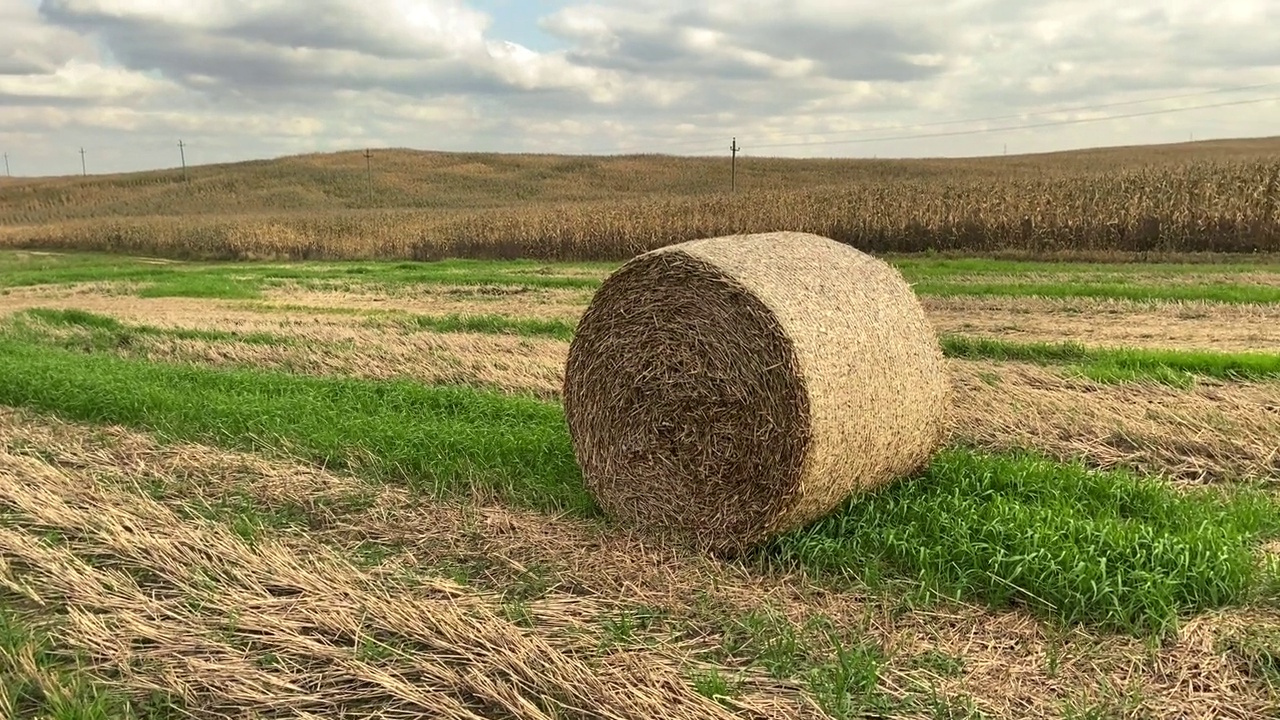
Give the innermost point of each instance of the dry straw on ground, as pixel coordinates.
(726, 389)
(163, 605)
(1010, 665)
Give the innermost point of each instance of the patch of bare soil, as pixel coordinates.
(1111, 323)
(300, 601)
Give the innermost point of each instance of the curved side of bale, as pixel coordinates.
(731, 388)
(869, 359)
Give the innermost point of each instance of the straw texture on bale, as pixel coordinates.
(724, 390)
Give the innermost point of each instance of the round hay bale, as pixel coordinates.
(727, 389)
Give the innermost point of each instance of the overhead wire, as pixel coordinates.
(1006, 128)
(975, 131)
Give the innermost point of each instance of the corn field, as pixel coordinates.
(1217, 205)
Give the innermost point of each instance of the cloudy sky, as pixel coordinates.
(238, 79)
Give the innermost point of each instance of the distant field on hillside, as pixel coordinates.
(467, 181)
(1220, 197)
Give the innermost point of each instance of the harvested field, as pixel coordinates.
(1184, 325)
(998, 661)
(1207, 432)
(206, 595)
(186, 456)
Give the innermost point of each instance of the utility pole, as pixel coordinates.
(368, 172)
(6, 166)
(83, 171)
(733, 165)
(182, 150)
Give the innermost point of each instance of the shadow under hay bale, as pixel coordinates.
(727, 389)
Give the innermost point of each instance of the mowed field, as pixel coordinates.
(345, 489)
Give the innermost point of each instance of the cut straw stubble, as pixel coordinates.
(175, 606)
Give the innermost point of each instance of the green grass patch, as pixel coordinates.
(247, 514)
(270, 307)
(846, 685)
(842, 674)
(56, 688)
(943, 267)
(1256, 650)
(979, 348)
(11, 260)
(106, 332)
(490, 324)
(246, 280)
(841, 669)
(714, 684)
(111, 332)
(75, 318)
(1106, 701)
(1175, 367)
(1109, 549)
(103, 332)
(204, 286)
(941, 276)
(1178, 368)
(102, 270)
(1236, 293)
(440, 440)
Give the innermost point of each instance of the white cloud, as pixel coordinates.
(254, 78)
(84, 81)
(33, 47)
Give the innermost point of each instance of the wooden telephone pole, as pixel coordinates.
(733, 165)
(368, 172)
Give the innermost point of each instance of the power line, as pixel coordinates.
(735, 148)
(1076, 108)
(991, 118)
(1007, 128)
